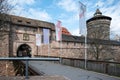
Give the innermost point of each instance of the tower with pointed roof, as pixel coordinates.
(98, 27)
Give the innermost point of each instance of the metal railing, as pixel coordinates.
(27, 59)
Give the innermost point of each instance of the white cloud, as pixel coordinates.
(21, 2)
(41, 15)
(75, 32)
(100, 4)
(108, 8)
(70, 19)
(68, 5)
(114, 13)
(69, 16)
(34, 14)
(109, 2)
(21, 10)
(19, 6)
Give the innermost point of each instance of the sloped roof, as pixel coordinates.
(17, 20)
(98, 15)
(79, 39)
(65, 31)
(31, 22)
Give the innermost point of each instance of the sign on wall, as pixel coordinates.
(46, 36)
(38, 39)
(26, 37)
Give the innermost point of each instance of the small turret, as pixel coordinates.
(97, 13)
(98, 26)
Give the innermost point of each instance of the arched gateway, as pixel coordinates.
(24, 50)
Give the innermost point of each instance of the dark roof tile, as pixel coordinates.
(79, 39)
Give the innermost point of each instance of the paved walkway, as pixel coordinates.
(70, 72)
(54, 77)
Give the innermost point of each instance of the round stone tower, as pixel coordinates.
(98, 27)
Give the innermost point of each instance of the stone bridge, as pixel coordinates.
(71, 73)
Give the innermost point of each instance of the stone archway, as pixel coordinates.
(24, 50)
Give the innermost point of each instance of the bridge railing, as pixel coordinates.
(111, 68)
(27, 59)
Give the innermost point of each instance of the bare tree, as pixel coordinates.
(5, 8)
(100, 46)
(100, 50)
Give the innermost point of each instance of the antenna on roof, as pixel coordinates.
(97, 6)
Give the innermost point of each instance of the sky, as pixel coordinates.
(67, 11)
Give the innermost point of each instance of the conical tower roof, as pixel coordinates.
(98, 15)
(98, 12)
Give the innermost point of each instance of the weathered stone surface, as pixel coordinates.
(19, 26)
